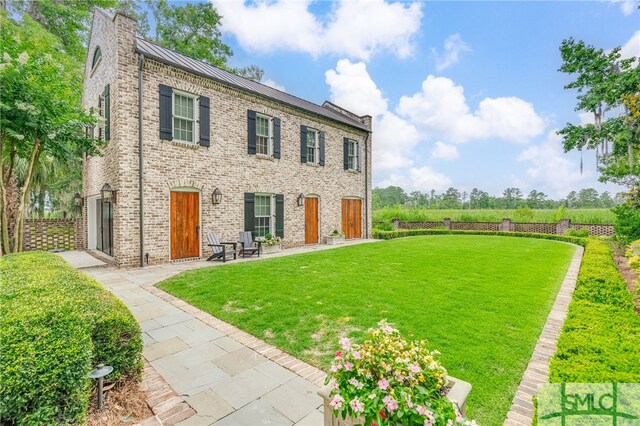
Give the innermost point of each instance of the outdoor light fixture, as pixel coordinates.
(216, 196)
(99, 373)
(108, 194)
(78, 200)
(300, 200)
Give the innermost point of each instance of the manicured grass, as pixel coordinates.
(382, 217)
(480, 300)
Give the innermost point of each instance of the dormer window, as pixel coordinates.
(97, 57)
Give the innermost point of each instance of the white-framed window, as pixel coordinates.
(352, 155)
(185, 117)
(264, 135)
(264, 220)
(313, 146)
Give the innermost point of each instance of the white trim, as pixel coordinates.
(316, 154)
(196, 117)
(269, 137)
(272, 207)
(92, 226)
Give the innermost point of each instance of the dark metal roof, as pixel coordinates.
(167, 56)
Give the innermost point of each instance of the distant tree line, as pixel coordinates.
(511, 198)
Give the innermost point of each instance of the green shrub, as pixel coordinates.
(582, 232)
(627, 223)
(55, 325)
(399, 233)
(601, 335)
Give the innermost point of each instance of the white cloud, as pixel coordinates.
(631, 48)
(355, 29)
(453, 47)
(441, 108)
(421, 179)
(352, 88)
(626, 6)
(443, 151)
(586, 118)
(269, 82)
(551, 168)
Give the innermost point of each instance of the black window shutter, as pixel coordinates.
(359, 152)
(101, 114)
(276, 137)
(249, 212)
(303, 144)
(205, 118)
(107, 113)
(280, 215)
(251, 131)
(345, 145)
(322, 148)
(166, 113)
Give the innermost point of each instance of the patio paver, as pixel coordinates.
(225, 375)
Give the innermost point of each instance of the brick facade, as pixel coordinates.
(225, 164)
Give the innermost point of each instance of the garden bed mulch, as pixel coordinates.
(124, 404)
(630, 276)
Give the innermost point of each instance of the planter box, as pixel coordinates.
(264, 249)
(332, 241)
(458, 393)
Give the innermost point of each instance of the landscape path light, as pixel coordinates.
(99, 373)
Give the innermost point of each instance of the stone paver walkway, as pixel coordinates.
(227, 376)
(537, 372)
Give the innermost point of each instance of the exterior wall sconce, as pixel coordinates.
(216, 196)
(300, 200)
(78, 201)
(108, 194)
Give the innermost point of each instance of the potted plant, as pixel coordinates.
(388, 380)
(270, 244)
(336, 237)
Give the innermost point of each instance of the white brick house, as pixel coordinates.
(203, 128)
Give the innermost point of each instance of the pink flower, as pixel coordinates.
(391, 403)
(334, 384)
(348, 366)
(356, 383)
(357, 405)
(420, 410)
(430, 419)
(335, 368)
(414, 368)
(338, 354)
(383, 384)
(409, 404)
(372, 396)
(336, 402)
(345, 343)
(356, 355)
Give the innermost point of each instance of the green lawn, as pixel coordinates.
(480, 300)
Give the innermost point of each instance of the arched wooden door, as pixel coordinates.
(311, 220)
(185, 224)
(352, 218)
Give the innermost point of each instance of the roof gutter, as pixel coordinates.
(141, 156)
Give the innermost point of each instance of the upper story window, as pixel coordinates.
(97, 57)
(264, 135)
(313, 146)
(352, 155)
(184, 117)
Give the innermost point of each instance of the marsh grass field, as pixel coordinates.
(382, 217)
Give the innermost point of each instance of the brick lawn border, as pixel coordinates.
(167, 406)
(291, 363)
(537, 373)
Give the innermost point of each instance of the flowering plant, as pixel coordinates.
(271, 240)
(387, 381)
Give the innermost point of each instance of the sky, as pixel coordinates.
(463, 94)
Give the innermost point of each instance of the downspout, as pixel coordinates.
(141, 158)
(366, 184)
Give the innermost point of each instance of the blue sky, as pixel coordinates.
(463, 94)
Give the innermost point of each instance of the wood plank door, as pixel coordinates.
(311, 220)
(185, 224)
(352, 218)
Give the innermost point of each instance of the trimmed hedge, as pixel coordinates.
(56, 324)
(600, 341)
(399, 233)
